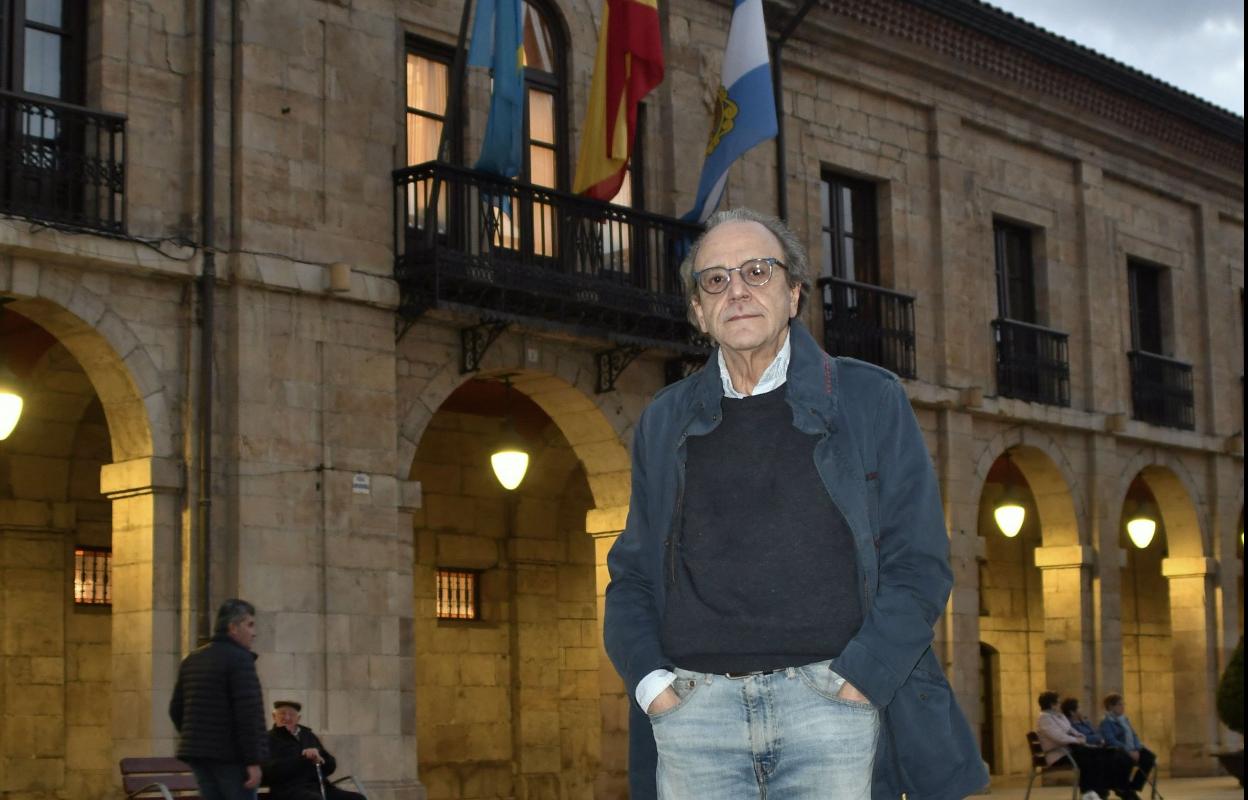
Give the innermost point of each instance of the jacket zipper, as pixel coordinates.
(673, 532)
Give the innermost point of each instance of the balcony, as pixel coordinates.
(1032, 362)
(62, 164)
(512, 251)
(869, 323)
(1161, 390)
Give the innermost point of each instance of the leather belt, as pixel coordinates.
(736, 676)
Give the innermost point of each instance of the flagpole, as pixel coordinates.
(454, 113)
(782, 184)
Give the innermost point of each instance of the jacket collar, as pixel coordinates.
(810, 387)
(224, 638)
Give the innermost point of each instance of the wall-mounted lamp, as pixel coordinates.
(10, 396)
(510, 460)
(1142, 525)
(1010, 512)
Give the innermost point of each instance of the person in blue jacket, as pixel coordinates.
(1117, 732)
(773, 595)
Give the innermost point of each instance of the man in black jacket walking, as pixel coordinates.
(294, 754)
(218, 708)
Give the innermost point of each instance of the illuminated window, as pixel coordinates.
(93, 576)
(458, 594)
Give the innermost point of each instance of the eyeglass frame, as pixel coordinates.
(771, 263)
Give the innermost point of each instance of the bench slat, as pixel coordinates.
(177, 782)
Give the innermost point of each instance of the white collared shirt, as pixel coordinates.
(773, 377)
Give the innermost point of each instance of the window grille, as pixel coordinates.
(458, 593)
(93, 576)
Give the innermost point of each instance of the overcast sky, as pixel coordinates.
(1196, 45)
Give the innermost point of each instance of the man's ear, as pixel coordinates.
(698, 313)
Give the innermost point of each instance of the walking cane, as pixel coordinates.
(320, 780)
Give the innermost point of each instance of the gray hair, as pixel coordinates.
(231, 612)
(797, 265)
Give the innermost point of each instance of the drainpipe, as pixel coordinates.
(207, 284)
(782, 183)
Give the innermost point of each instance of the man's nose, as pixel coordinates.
(737, 287)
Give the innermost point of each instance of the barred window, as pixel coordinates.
(93, 573)
(458, 594)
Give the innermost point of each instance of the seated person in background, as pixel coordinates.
(1081, 724)
(1099, 770)
(295, 753)
(1118, 733)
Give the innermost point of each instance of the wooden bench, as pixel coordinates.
(167, 778)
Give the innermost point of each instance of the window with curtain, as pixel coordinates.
(850, 247)
(428, 81)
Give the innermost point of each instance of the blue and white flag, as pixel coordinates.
(745, 108)
(496, 44)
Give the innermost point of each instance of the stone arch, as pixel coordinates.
(135, 401)
(139, 517)
(1050, 476)
(565, 392)
(1178, 500)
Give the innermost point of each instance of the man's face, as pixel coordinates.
(743, 318)
(244, 631)
(286, 717)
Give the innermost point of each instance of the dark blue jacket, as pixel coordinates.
(876, 469)
(1116, 735)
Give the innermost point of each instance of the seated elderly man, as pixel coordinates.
(1119, 734)
(299, 764)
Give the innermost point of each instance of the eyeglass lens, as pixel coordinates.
(755, 272)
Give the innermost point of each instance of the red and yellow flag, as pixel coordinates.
(628, 65)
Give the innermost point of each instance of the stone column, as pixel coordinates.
(1067, 576)
(1194, 638)
(147, 568)
(33, 751)
(605, 525)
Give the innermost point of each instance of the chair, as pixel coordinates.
(1040, 767)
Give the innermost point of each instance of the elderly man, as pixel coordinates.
(295, 755)
(218, 709)
(773, 594)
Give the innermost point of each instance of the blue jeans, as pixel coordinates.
(783, 736)
(222, 781)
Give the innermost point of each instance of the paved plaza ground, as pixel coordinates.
(1223, 788)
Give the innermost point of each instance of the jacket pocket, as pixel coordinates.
(931, 739)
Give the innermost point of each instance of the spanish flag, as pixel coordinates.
(628, 65)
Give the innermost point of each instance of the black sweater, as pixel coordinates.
(217, 705)
(766, 574)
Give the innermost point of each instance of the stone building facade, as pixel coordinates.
(1060, 237)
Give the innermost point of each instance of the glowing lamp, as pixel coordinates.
(1009, 516)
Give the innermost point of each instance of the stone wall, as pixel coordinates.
(508, 704)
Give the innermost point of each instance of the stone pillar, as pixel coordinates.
(953, 355)
(605, 525)
(1067, 576)
(959, 628)
(1194, 639)
(1104, 520)
(33, 757)
(147, 569)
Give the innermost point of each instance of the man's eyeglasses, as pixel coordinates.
(755, 272)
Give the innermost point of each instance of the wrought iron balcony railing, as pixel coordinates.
(514, 251)
(62, 163)
(870, 323)
(1032, 362)
(1161, 390)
